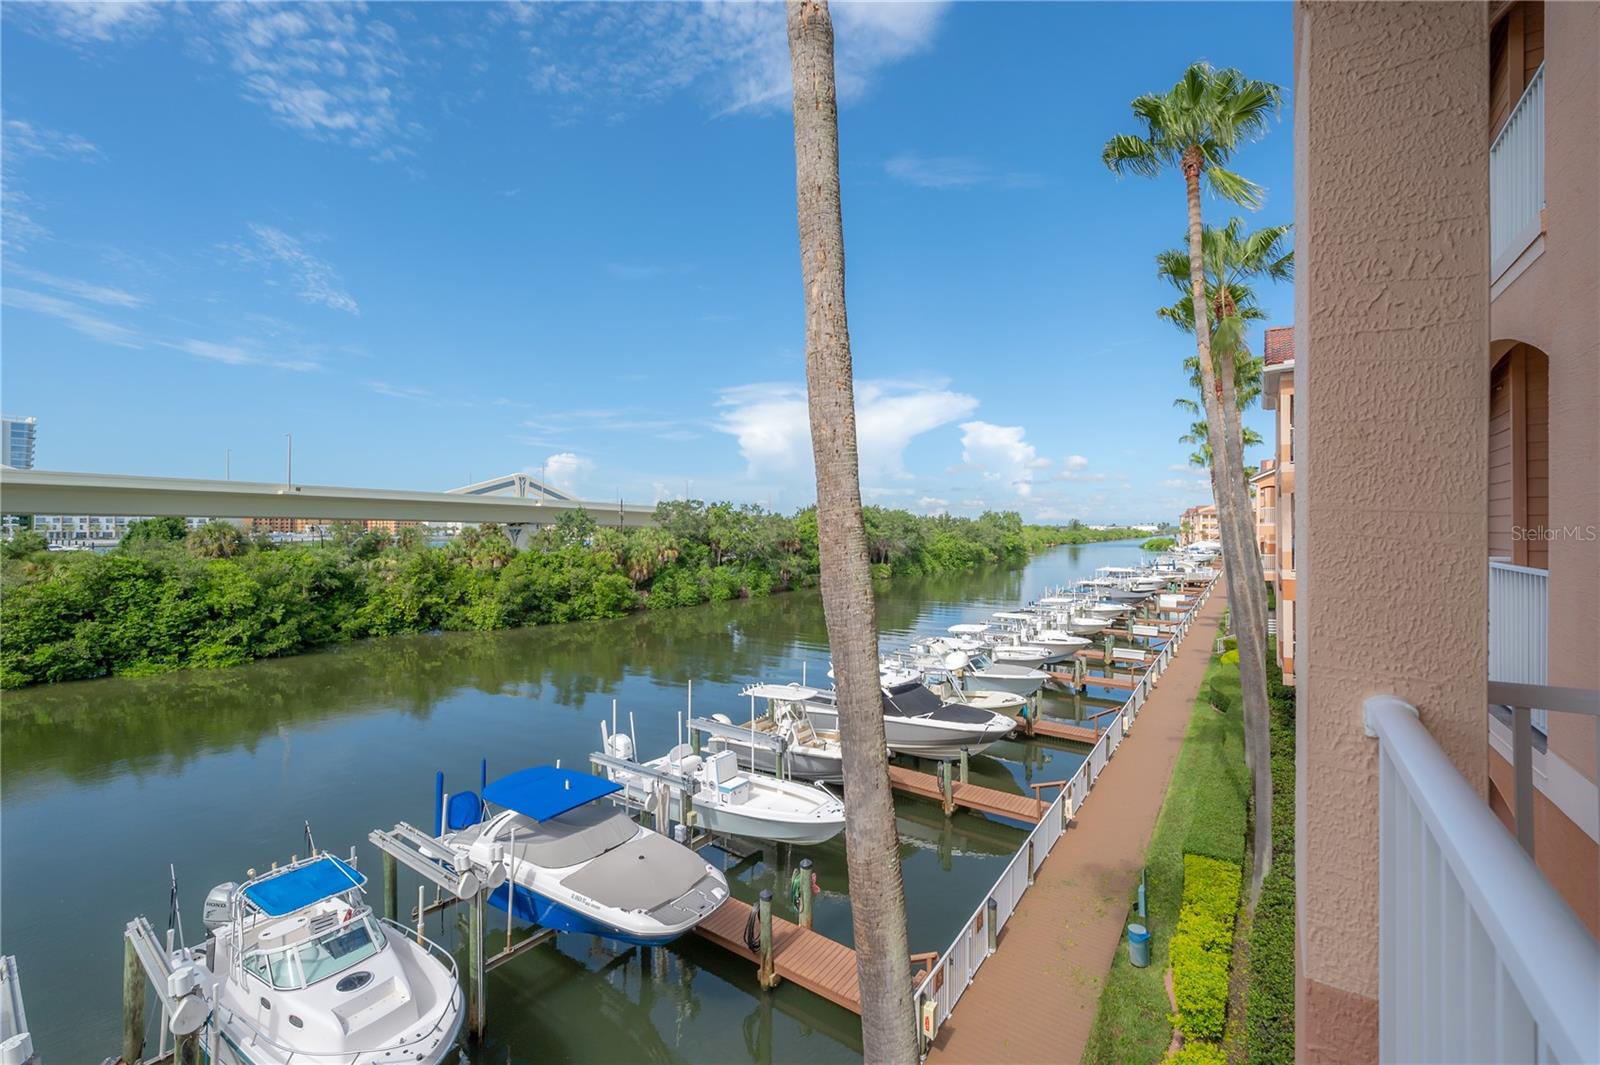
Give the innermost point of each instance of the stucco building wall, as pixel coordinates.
(1391, 213)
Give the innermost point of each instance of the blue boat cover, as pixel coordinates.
(295, 889)
(544, 791)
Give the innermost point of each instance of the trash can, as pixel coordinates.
(1138, 945)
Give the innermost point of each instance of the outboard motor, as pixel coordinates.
(722, 719)
(620, 746)
(216, 912)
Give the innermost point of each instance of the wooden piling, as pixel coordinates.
(1030, 860)
(766, 976)
(475, 997)
(805, 893)
(963, 765)
(187, 1051)
(946, 789)
(132, 1003)
(391, 887)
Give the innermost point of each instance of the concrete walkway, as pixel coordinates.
(1035, 999)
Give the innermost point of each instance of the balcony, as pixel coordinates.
(1518, 620)
(1516, 180)
(1478, 956)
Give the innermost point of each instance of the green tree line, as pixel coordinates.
(170, 598)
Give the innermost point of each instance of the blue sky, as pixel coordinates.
(446, 241)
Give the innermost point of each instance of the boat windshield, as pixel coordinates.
(314, 960)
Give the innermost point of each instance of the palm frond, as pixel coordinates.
(1232, 187)
(1126, 153)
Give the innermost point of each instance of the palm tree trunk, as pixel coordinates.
(872, 847)
(1241, 558)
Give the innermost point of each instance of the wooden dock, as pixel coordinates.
(1094, 680)
(972, 796)
(1058, 730)
(801, 955)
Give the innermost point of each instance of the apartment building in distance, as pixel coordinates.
(1447, 226)
(1199, 523)
(17, 437)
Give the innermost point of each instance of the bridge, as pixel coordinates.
(532, 505)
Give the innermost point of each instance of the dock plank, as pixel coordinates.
(802, 956)
(971, 796)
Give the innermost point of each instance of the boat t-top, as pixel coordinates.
(574, 864)
(295, 968)
(918, 722)
(780, 740)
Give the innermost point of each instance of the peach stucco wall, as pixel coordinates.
(1391, 322)
(1555, 306)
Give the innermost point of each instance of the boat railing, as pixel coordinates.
(952, 974)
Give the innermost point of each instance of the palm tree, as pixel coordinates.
(872, 849)
(1199, 436)
(1196, 126)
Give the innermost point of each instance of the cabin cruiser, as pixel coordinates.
(724, 797)
(918, 722)
(782, 740)
(296, 968)
(574, 864)
(1071, 614)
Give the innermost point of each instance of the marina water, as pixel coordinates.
(106, 782)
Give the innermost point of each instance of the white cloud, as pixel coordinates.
(1000, 453)
(773, 426)
(105, 294)
(314, 280)
(933, 505)
(82, 23)
(1074, 462)
(75, 315)
(24, 138)
(329, 71)
(384, 388)
(564, 469)
(736, 55)
(239, 353)
(950, 172)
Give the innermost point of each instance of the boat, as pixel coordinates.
(296, 968)
(724, 797)
(1058, 642)
(16, 1042)
(782, 739)
(574, 864)
(918, 722)
(976, 667)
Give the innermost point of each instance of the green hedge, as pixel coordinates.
(1198, 1054)
(1269, 1002)
(1202, 948)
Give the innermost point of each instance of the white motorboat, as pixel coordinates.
(782, 740)
(725, 798)
(1106, 608)
(296, 968)
(573, 864)
(971, 662)
(1024, 655)
(918, 722)
(1063, 643)
(1085, 624)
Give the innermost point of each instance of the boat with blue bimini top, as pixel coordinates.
(575, 864)
(295, 968)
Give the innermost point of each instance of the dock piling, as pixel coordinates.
(475, 996)
(946, 789)
(991, 919)
(1030, 861)
(767, 976)
(805, 893)
(963, 765)
(391, 887)
(132, 1003)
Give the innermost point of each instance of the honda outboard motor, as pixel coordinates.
(216, 912)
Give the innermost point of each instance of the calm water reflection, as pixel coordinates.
(106, 782)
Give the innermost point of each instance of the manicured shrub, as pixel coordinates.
(1269, 999)
(1202, 946)
(1196, 1052)
(1230, 658)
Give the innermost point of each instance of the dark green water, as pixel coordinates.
(107, 782)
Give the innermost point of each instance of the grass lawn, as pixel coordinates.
(1204, 813)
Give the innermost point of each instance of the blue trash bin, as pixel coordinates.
(1138, 945)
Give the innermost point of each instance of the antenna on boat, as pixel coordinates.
(311, 844)
(613, 717)
(174, 914)
(802, 673)
(679, 748)
(632, 734)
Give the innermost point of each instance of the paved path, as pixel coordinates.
(1034, 1001)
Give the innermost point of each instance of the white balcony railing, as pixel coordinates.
(1516, 179)
(1519, 640)
(1479, 958)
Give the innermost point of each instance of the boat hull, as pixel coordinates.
(530, 906)
(921, 738)
(798, 764)
(1023, 684)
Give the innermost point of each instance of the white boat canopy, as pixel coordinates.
(968, 629)
(1013, 615)
(792, 692)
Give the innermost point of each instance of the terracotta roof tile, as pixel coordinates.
(1278, 345)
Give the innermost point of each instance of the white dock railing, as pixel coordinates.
(1519, 639)
(1479, 958)
(1516, 179)
(953, 972)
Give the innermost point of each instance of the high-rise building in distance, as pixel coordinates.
(16, 441)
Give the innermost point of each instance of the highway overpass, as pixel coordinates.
(109, 494)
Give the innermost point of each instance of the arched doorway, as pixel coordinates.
(1519, 455)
